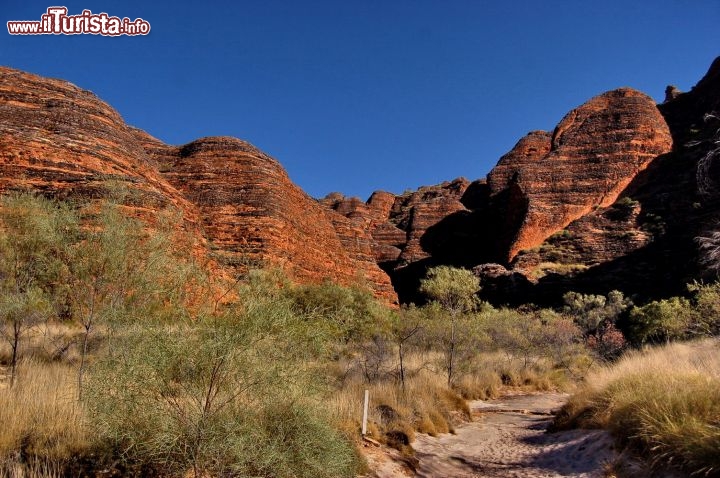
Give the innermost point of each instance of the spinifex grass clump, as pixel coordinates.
(665, 401)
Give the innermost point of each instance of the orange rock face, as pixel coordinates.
(253, 214)
(551, 202)
(63, 141)
(592, 155)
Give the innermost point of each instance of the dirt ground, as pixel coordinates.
(506, 439)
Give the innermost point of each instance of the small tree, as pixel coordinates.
(405, 326)
(661, 321)
(19, 312)
(120, 270)
(455, 290)
(34, 237)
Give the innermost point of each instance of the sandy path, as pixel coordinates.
(507, 439)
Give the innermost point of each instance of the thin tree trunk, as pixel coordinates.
(83, 354)
(13, 360)
(451, 357)
(402, 367)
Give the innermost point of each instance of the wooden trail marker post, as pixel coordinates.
(365, 412)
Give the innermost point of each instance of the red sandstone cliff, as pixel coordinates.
(546, 182)
(593, 154)
(399, 223)
(64, 141)
(547, 209)
(254, 215)
(59, 139)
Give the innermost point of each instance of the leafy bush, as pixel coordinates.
(536, 335)
(352, 311)
(597, 315)
(662, 320)
(216, 396)
(592, 312)
(706, 301)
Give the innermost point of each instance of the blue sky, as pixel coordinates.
(359, 95)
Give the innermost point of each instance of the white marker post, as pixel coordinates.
(365, 410)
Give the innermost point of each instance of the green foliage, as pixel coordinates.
(534, 335)
(706, 300)
(592, 312)
(455, 289)
(654, 224)
(219, 395)
(120, 273)
(120, 270)
(562, 234)
(562, 268)
(34, 238)
(662, 320)
(626, 202)
(353, 312)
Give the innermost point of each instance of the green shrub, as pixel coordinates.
(352, 312)
(706, 299)
(662, 320)
(591, 312)
(215, 396)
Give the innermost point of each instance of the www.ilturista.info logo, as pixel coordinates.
(57, 22)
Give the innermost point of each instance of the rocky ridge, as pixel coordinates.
(617, 192)
(63, 141)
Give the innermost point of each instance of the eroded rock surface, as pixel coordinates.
(63, 141)
(590, 158)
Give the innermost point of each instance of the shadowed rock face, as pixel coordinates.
(398, 223)
(592, 155)
(545, 183)
(63, 141)
(547, 218)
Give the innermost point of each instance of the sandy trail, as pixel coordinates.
(507, 439)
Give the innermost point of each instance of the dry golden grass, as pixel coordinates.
(50, 342)
(42, 422)
(425, 404)
(12, 468)
(665, 401)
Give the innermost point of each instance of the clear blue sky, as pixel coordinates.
(359, 95)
